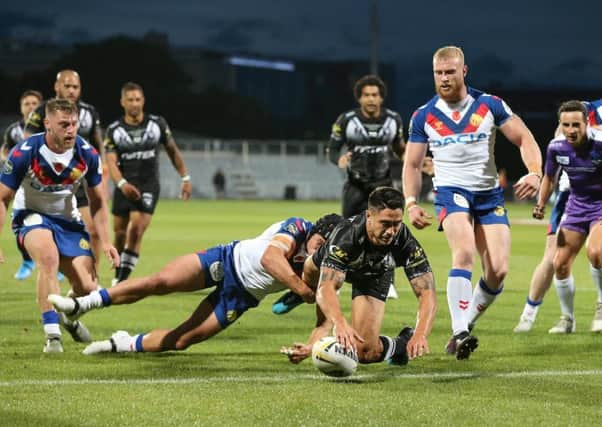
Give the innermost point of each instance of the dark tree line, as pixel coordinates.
(104, 66)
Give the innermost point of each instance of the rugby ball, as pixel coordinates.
(332, 359)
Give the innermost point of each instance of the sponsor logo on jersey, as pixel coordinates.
(460, 200)
(32, 219)
(461, 138)
(231, 315)
(8, 167)
(562, 160)
(476, 120)
(216, 271)
(292, 228)
(336, 129)
(337, 253)
(84, 244)
(138, 155)
(499, 211)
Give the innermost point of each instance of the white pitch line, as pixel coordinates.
(279, 379)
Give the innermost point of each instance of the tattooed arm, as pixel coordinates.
(326, 297)
(424, 289)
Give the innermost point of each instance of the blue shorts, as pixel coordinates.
(70, 237)
(485, 207)
(557, 211)
(229, 299)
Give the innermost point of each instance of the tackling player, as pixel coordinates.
(242, 273)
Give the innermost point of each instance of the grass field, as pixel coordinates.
(239, 378)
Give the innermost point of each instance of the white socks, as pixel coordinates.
(566, 295)
(597, 278)
(459, 295)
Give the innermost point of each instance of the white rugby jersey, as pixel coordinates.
(248, 253)
(461, 137)
(46, 181)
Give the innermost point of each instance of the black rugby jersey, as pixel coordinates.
(89, 121)
(350, 251)
(369, 140)
(137, 148)
(13, 134)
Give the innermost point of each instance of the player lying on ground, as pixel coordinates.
(268, 263)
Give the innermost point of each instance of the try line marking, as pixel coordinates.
(280, 379)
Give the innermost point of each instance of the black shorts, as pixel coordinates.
(377, 287)
(81, 197)
(147, 203)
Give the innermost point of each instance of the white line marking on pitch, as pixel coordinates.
(433, 376)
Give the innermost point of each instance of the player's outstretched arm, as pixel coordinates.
(301, 351)
(424, 289)
(326, 297)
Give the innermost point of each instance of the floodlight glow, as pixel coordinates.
(261, 63)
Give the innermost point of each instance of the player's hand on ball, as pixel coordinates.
(539, 211)
(297, 353)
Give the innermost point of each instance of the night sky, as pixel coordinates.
(538, 42)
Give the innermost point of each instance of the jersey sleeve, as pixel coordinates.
(297, 228)
(551, 167)
(595, 113)
(94, 174)
(96, 128)
(7, 138)
(338, 250)
(417, 122)
(337, 139)
(15, 167)
(399, 122)
(109, 141)
(411, 256)
(166, 134)
(500, 110)
(35, 121)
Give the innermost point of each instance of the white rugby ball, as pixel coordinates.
(332, 359)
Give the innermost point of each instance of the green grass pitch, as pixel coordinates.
(239, 378)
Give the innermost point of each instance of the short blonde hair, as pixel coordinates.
(447, 52)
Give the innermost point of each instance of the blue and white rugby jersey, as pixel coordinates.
(46, 181)
(248, 253)
(594, 112)
(461, 137)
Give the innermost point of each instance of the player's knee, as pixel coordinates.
(500, 273)
(48, 262)
(159, 283)
(561, 269)
(594, 255)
